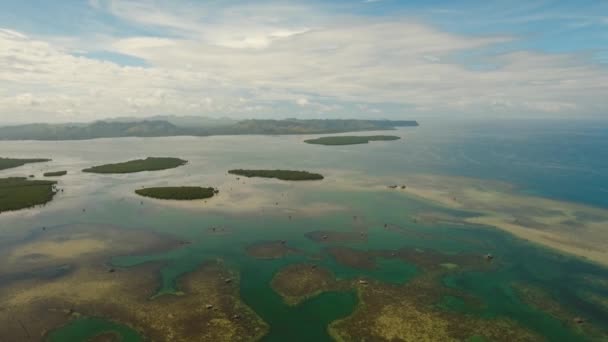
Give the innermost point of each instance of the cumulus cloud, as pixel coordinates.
(249, 61)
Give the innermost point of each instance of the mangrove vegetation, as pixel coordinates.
(278, 174)
(139, 165)
(350, 139)
(8, 163)
(178, 192)
(19, 193)
(55, 174)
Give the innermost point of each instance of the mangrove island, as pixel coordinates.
(139, 165)
(55, 174)
(183, 193)
(8, 163)
(350, 140)
(278, 174)
(19, 193)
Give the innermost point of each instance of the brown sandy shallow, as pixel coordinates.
(409, 312)
(336, 236)
(78, 244)
(406, 312)
(250, 197)
(274, 249)
(567, 227)
(298, 282)
(32, 303)
(598, 300)
(541, 299)
(208, 310)
(352, 257)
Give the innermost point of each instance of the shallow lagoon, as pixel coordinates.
(350, 199)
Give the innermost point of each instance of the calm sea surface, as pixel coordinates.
(562, 160)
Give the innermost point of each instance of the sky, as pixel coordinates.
(76, 61)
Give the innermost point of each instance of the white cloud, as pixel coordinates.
(255, 60)
(302, 101)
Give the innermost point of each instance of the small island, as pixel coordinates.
(180, 193)
(20, 193)
(139, 165)
(350, 140)
(55, 174)
(8, 163)
(278, 174)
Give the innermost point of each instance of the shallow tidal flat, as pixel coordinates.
(87, 286)
(270, 249)
(298, 282)
(568, 227)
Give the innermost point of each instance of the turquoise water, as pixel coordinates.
(563, 160)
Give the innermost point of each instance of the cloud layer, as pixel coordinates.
(284, 61)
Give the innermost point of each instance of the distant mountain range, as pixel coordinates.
(190, 126)
(184, 121)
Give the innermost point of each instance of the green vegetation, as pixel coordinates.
(178, 192)
(179, 126)
(279, 174)
(295, 126)
(99, 129)
(7, 163)
(350, 140)
(55, 174)
(18, 193)
(139, 165)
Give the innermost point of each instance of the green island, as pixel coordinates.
(178, 192)
(55, 174)
(8, 163)
(350, 140)
(139, 165)
(19, 193)
(278, 174)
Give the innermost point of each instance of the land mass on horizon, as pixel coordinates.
(116, 128)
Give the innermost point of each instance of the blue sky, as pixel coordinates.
(85, 60)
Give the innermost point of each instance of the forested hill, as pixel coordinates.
(163, 128)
